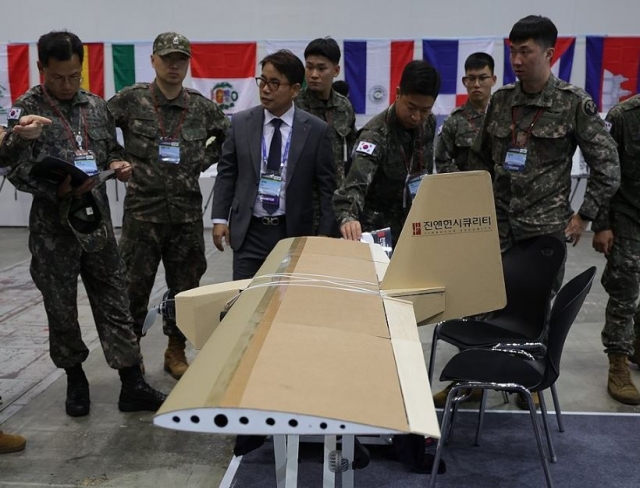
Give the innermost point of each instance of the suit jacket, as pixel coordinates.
(310, 163)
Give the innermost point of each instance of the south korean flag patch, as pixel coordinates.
(366, 147)
(14, 113)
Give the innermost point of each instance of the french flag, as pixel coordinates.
(373, 70)
(561, 63)
(448, 57)
(613, 69)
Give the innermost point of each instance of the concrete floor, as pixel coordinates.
(112, 449)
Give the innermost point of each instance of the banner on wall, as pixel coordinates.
(613, 69)
(132, 64)
(373, 70)
(225, 72)
(14, 75)
(448, 57)
(561, 64)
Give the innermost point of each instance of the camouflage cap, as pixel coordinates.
(171, 42)
(84, 218)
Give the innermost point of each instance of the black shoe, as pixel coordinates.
(136, 395)
(247, 443)
(78, 401)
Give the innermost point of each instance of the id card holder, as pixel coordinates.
(411, 187)
(515, 159)
(169, 151)
(86, 161)
(269, 189)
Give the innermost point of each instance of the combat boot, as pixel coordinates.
(136, 395)
(78, 401)
(522, 402)
(440, 398)
(175, 362)
(635, 357)
(11, 443)
(620, 386)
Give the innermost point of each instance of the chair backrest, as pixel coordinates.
(530, 270)
(565, 310)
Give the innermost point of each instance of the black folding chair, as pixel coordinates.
(520, 368)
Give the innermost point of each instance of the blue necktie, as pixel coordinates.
(274, 159)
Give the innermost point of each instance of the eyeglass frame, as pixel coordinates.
(261, 82)
(60, 80)
(472, 80)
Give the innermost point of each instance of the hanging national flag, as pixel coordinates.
(561, 63)
(613, 69)
(14, 75)
(225, 72)
(93, 68)
(132, 64)
(448, 57)
(373, 70)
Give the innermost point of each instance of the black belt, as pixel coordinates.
(269, 220)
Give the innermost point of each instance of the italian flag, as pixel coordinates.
(14, 75)
(225, 72)
(93, 68)
(132, 64)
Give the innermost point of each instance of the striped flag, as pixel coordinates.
(561, 64)
(613, 69)
(93, 68)
(448, 57)
(14, 75)
(373, 70)
(225, 72)
(132, 64)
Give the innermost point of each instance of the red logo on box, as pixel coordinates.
(417, 228)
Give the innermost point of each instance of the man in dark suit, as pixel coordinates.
(271, 160)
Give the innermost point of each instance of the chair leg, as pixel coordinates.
(483, 405)
(432, 359)
(556, 406)
(536, 430)
(447, 421)
(505, 397)
(547, 430)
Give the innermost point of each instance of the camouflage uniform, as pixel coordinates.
(58, 256)
(163, 207)
(550, 125)
(621, 277)
(374, 190)
(339, 114)
(455, 138)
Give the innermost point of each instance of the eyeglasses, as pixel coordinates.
(273, 85)
(471, 80)
(60, 80)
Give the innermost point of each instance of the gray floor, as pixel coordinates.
(112, 449)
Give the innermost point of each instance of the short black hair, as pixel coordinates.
(324, 46)
(478, 61)
(286, 63)
(420, 78)
(536, 27)
(60, 45)
(342, 87)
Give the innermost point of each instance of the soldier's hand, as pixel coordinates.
(122, 168)
(30, 126)
(574, 230)
(603, 241)
(65, 187)
(352, 231)
(220, 232)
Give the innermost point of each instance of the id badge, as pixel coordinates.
(269, 189)
(515, 159)
(411, 188)
(86, 161)
(169, 151)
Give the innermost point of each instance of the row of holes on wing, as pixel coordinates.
(221, 421)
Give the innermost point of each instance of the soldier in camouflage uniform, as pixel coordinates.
(70, 228)
(527, 141)
(460, 129)
(171, 134)
(322, 65)
(617, 235)
(392, 152)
